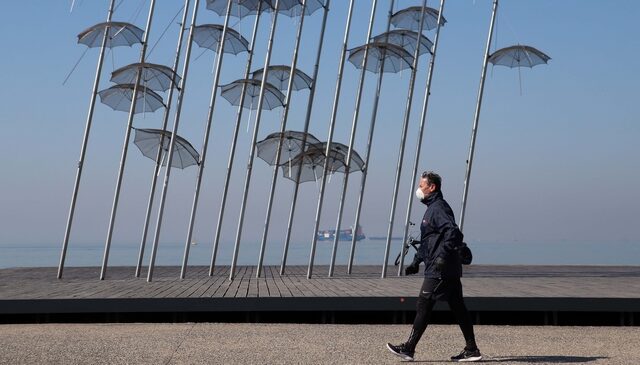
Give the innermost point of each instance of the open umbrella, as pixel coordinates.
(273, 98)
(357, 163)
(406, 39)
(278, 76)
(154, 77)
(148, 141)
(292, 8)
(209, 35)
(118, 97)
(395, 58)
(291, 146)
(119, 34)
(310, 165)
(409, 18)
(518, 56)
(239, 8)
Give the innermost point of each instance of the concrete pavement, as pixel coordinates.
(205, 343)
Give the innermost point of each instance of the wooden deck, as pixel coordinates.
(487, 288)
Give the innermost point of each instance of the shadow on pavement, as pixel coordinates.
(546, 359)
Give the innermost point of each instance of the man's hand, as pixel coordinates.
(440, 263)
(413, 268)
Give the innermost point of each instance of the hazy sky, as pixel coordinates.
(557, 163)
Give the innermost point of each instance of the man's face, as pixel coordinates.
(426, 188)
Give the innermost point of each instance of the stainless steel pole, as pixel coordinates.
(352, 137)
(231, 155)
(403, 139)
(125, 147)
(332, 123)
(423, 120)
(159, 157)
(185, 71)
(85, 141)
(307, 120)
(363, 180)
(252, 147)
(476, 118)
(283, 126)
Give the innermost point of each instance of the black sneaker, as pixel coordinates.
(467, 356)
(402, 351)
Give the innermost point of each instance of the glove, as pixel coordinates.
(439, 263)
(414, 268)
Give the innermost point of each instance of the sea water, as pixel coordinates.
(368, 252)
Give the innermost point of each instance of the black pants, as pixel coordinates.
(449, 290)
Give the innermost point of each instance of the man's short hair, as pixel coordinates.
(433, 178)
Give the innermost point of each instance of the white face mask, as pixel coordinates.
(420, 194)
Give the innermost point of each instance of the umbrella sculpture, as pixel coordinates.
(125, 144)
(305, 129)
(90, 41)
(118, 97)
(220, 51)
(118, 34)
(515, 56)
(310, 165)
(290, 87)
(238, 120)
(293, 144)
(406, 39)
(364, 59)
(293, 8)
(394, 58)
(165, 121)
(209, 35)
(357, 163)
(518, 56)
(279, 77)
(273, 98)
(153, 76)
(148, 141)
(239, 8)
(409, 18)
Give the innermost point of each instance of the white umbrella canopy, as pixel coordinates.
(394, 58)
(119, 34)
(119, 97)
(153, 76)
(278, 76)
(273, 98)
(209, 36)
(409, 18)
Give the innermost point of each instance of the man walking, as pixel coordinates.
(440, 240)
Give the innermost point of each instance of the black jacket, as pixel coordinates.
(440, 237)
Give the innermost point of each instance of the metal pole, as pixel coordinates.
(476, 118)
(283, 126)
(159, 157)
(352, 137)
(167, 173)
(423, 120)
(363, 180)
(125, 146)
(252, 147)
(403, 139)
(85, 141)
(332, 123)
(307, 120)
(231, 155)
